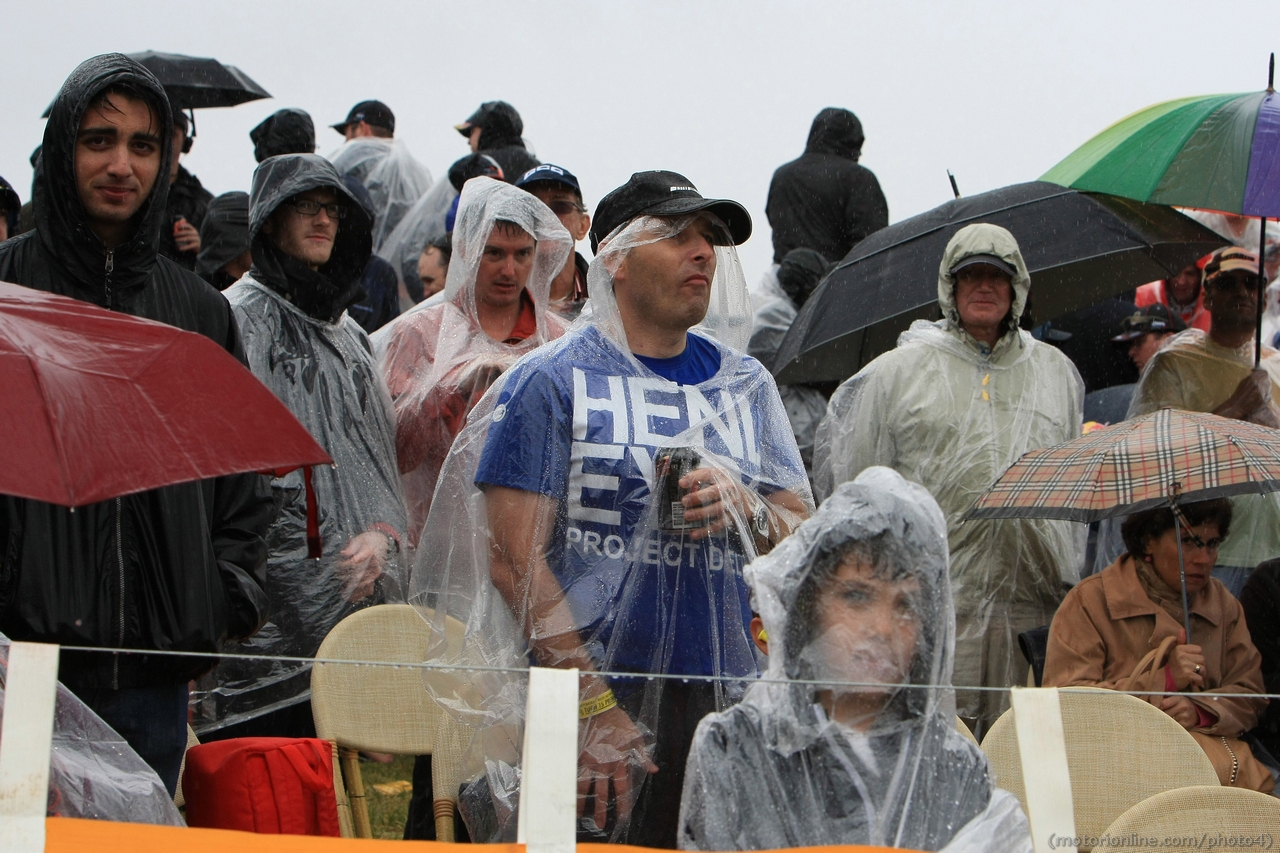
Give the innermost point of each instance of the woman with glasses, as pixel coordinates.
(1123, 629)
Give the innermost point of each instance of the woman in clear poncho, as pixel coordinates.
(606, 587)
(860, 593)
(952, 413)
(438, 362)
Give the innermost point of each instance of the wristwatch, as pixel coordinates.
(760, 521)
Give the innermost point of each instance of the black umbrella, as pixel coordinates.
(196, 83)
(1079, 248)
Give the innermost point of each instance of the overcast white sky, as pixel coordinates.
(722, 92)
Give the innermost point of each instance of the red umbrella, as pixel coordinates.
(98, 404)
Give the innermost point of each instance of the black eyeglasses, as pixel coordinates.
(311, 207)
(564, 208)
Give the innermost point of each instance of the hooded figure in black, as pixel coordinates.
(188, 199)
(224, 238)
(304, 346)
(500, 128)
(176, 568)
(287, 131)
(823, 200)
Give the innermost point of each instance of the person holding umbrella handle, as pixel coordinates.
(1125, 629)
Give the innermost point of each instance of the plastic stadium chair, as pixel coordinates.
(384, 709)
(1120, 751)
(1200, 818)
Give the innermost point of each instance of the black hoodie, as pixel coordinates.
(824, 200)
(181, 567)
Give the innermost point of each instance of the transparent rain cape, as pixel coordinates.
(326, 375)
(93, 772)
(438, 362)
(946, 414)
(394, 179)
(424, 222)
(573, 431)
(1192, 372)
(799, 764)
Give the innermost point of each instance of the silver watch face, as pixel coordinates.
(761, 521)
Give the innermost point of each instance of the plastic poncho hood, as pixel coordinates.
(786, 768)
(394, 179)
(577, 426)
(61, 221)
(982, 239)
(326, 292)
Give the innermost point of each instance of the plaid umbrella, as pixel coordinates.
(1166, 457)
(1162, 459)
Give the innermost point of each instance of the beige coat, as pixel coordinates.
(1107, 624)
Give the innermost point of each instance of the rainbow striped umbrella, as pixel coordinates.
(1215, 152)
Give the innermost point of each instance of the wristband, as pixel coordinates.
(598, 705)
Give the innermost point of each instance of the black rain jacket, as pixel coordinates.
(824, 200)
(224, 236)
(176, 568)
(187, 199)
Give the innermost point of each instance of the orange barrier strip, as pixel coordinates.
(72, 835)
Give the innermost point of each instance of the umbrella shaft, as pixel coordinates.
(1182, 576)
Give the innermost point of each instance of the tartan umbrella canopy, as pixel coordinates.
(1163, 458)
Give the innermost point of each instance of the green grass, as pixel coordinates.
(387, 813)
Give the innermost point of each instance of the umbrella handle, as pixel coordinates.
(1182, 573)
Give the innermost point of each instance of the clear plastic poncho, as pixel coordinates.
(424, 222)
(438, 362)
(805, 406)
(944, 412)
(326, 374)
(859, 594)
(1191, 372)
(394, 179)
(93, 772)
(556, 492)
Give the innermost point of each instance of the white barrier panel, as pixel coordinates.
(1042, 746)
(549, 766)
(25, 740)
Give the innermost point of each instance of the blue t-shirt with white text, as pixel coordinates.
(580, 422)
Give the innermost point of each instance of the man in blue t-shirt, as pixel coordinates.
(603, 569)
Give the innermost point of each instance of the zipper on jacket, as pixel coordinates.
(115, 657)
(111, 267)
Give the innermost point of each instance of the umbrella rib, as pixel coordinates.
(54, 433)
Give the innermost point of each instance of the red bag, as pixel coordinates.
(262, 784)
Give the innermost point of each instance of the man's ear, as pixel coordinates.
(584, 227)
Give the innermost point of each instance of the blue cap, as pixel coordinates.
(549, 173)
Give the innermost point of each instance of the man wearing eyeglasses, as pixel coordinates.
(335, 544)
(558, 189)
(1214, 372)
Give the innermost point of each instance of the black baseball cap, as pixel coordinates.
(1153, 318)
(662, 193)
(498, 119)
(549, 174)
(991, 260)
(374, 113)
